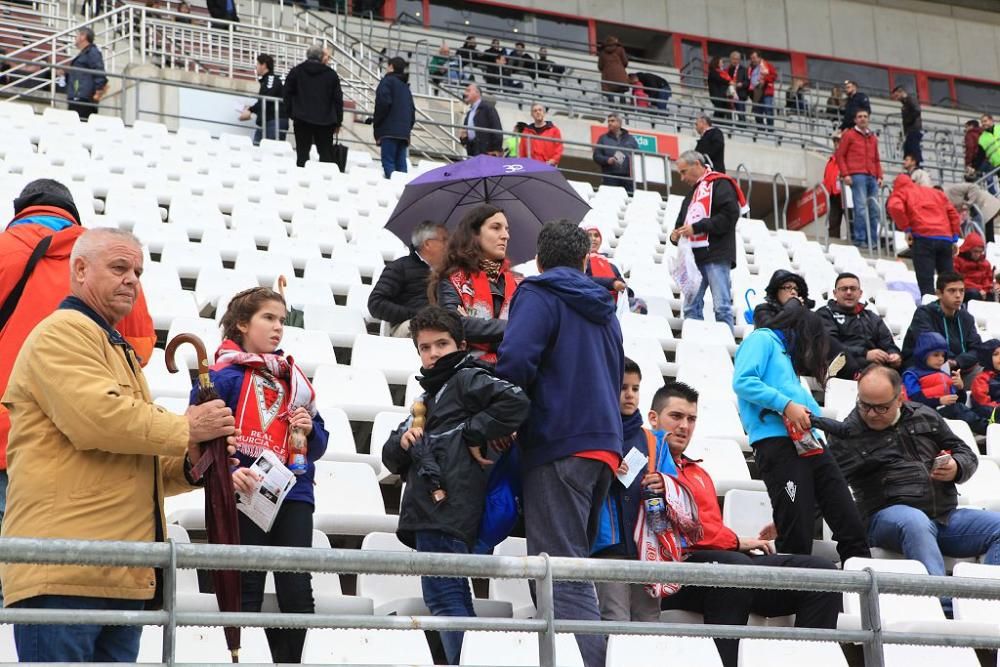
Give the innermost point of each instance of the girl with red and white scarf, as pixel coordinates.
(269, 396)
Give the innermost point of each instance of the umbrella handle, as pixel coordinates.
(282, 284)
(199, 349)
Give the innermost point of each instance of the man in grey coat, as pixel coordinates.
(614, 154)
(83, 89)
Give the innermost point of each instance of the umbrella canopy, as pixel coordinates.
(529, 192)
(220, 500)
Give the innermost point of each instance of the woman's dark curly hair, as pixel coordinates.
(464, 251)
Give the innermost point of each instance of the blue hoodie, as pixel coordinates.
(616, 530)
(925, 384)
(563, 346)
(765, 382)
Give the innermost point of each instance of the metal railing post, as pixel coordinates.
(824, 231)
(871, 620)
(546, 611)
(170, 605)
(780, 219)
(742, 169)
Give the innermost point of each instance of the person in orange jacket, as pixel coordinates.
(543, 150)
(45, 211)
(831, 181)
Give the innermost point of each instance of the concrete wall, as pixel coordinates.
(932, 36)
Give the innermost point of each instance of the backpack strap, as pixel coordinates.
(10, 303)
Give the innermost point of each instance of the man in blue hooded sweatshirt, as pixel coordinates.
(563, 345)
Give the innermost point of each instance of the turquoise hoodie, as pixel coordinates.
(765, 381)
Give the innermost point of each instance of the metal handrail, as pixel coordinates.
(822, 230)
(543, 569)
(742, 169)
(780, 221)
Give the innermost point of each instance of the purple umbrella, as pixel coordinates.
(530, 193)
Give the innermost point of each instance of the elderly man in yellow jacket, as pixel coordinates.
(91, 457)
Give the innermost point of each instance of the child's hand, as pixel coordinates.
(478, 457)
(622, 468)
(244, 480)
(950, 399)
(956, 379)
(410, 437)
(302, 420)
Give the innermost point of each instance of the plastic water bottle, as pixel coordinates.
(656, 512)
(298, 446)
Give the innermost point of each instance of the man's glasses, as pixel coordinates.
(877, 408)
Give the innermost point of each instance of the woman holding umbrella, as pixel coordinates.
(275, 409)
(476, 281)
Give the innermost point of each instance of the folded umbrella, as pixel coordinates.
(220, 500)
(530, 193)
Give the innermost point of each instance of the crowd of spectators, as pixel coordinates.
(500, 355)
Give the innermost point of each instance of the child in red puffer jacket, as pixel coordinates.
(971, 262)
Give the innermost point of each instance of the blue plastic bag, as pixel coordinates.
(503, 501)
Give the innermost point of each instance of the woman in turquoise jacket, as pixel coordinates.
(769, 363)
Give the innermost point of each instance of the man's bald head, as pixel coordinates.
(879, 396)
(105, 266)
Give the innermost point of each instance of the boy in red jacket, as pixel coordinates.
(971, 262)
(548, 149)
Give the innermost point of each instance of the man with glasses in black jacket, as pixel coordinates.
(902, 462)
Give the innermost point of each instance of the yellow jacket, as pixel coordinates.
(90, 457)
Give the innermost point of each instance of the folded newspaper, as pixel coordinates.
(269, 492)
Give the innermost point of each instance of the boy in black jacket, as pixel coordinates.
(463, 408)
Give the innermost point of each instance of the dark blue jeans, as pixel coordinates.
(276, 129)
(911, 145)
(446, 596)
(393, 155)
(77, 643)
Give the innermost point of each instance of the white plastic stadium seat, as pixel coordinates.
(514, 591)
(342, 324)
(973, 609)
(724, 462)
(396, 357)
(770, 652)
(746, 512)
(348, 500)
(516, 648)
(366, 647)
(361, 393)
(403, 595)
(631, 650)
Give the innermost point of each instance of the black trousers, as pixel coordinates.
(292, 528)
(931, 256)
(83, 108)
(796, 486)
(836, 214)
(733, 606)
(307, 134)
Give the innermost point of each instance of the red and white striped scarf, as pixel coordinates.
(283, 367)
(700, 207)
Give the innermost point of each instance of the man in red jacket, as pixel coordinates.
(861, 168)
(762, 78)
(549, 149)
(927, 216)
(45, 210)
(675, 410)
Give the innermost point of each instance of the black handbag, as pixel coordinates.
(340, 155)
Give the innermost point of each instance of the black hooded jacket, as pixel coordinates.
(859, 329)
(764, 313)
(466, 407)
(313, 94)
